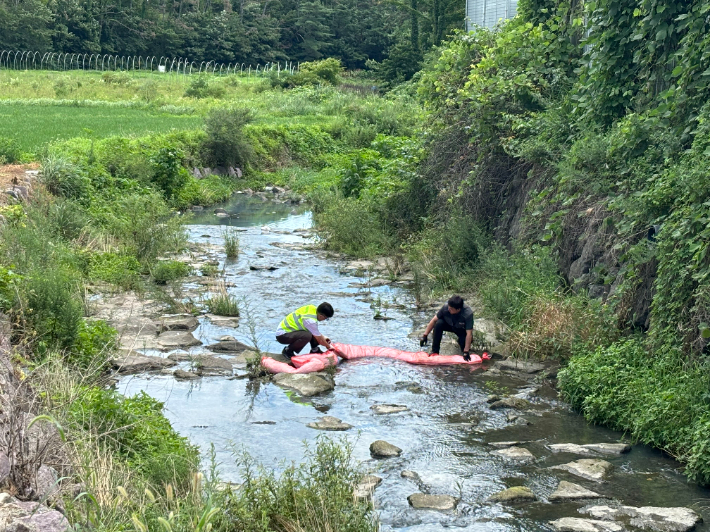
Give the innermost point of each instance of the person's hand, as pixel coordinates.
(423, 340)
(467, 356)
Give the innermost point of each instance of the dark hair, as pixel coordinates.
(326, 309)
(456, 302)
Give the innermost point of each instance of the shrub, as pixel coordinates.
(53, 312)
(168, 172)
(9, 150)
(208, 191)
(136, 429)
(66, 218)
(170, 270)
(328, 70)
(142, 223)
(148, 90)
(64, 178)
(315, 495)
(117, 78)
(202, 87)
(95, 341)
(225, 144)
(61, 86)
(115, 268)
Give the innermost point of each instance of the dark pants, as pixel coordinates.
(297, 340)
(439, 329)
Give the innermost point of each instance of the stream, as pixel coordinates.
(444, 434)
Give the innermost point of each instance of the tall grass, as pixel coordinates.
(221, 303)
(231, 244)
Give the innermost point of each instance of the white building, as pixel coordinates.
(487, 13)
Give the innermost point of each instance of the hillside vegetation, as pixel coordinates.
(563, 177)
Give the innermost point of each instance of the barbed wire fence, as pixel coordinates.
(53, 61)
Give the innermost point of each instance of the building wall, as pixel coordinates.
(487, 13)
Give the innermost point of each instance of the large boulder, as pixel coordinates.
(135, 363)
(383, 449)
(567, 491)
(306, 384)
(425, 501)
(19, 516)
(649, 517)
(591, 449)
(178, 322)
(589, 468)
(577, 524)
(514, 494)
(177, 339)
(182, 375)
(329, 423)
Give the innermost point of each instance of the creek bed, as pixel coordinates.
(444, 434)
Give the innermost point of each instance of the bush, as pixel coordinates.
(351, 226)
(67, 219)
(170, 270)
(168, 172)
(208, 191)
(136, 429)
(117, 78)
(115, 268)
(656, 398)
(95, 342)
(226, 144)
(53, 311)
(315, 495)
(310, 73)
(9, 151)
(202, 87)
(328, 70)
(64, 178)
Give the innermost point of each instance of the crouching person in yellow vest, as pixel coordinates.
(301, 327)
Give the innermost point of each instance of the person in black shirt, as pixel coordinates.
(454, 317)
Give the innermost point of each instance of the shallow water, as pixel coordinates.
(445, 432)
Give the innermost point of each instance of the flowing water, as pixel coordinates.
(444, 434)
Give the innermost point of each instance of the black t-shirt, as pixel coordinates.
(460, 320)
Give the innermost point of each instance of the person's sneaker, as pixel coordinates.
(316, 351)
(288, 352)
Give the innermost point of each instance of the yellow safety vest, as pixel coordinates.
(294, 321)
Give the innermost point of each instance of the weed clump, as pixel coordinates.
(202, 87)
(64, 178)
(223, 304)
(9, 150)
(231, 244)
(167, 271)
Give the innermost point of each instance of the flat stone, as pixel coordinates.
(388, 409)
(592, 449)
(425, 501)
(231, 322)
(329, 423)
(134, 326)
(366, 487)
(511, 402)
(257, 268)
(32, 517)
(515, 494)
(520, 365)
(382, 449)
(505, 444)
(181, 356)
(177, 339)
(209, 365)
(649, 517)
(519, 454)
(306, 384)
(178, 322)
(229, 346)
(183, 375)
(577, 524)
(589, 468)
(45, 482)
(567, 491)
(135, 363)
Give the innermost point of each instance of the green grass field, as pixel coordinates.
(35, 125)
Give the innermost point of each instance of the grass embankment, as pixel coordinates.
(103, 217)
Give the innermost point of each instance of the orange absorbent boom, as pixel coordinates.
(310, 363)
